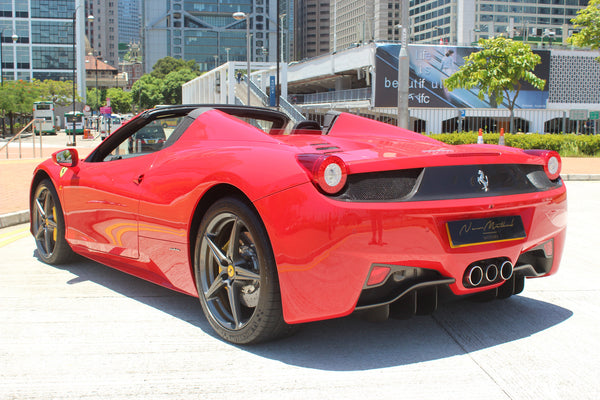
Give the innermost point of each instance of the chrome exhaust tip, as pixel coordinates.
(506, 270)
(475, 275)
(491, 272)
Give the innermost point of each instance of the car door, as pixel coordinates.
(101, 195)
(102, 205)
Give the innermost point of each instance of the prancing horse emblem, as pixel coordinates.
(482, 179)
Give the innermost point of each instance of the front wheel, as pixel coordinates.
(49, 225)
(236, 275)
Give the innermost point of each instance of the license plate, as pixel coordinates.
(151, 141)
(470, 232)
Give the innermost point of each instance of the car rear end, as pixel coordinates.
(376, 226)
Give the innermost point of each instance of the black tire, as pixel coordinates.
(237, 285)
(49, 225)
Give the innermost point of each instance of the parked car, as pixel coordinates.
(151, 137)
(272, 225)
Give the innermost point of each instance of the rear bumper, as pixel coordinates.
(325, 249)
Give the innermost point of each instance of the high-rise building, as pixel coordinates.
(207, 32)
(457, 22)
(103, 31)
(44, 40)
(466, 21)
(287, 18)
(130, 21)
(311, 28)
(352, 23)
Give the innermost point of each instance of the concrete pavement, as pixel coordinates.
(86, 331)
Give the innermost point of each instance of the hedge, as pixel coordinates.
(564, 144)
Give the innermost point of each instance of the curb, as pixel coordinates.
(581, 177)
(21, 217)
(16, 218)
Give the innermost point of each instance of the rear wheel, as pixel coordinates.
(49, 225)
(236, 275)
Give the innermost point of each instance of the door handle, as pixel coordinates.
(139, 179)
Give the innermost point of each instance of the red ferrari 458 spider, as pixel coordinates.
(272, 225)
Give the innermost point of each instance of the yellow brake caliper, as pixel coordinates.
(54, 233)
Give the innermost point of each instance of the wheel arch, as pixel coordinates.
(210, 197)
(39, 176)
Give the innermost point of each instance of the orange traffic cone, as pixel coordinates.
(501, 139)
(480, 137)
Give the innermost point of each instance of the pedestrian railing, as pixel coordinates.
(259, 93)
(334, 96)
(290, 110)
(21, 135)
(285, 106)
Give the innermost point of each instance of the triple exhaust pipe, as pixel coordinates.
(477, 275)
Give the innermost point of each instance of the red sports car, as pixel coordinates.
(272, 225)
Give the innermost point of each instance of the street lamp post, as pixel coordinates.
(90, 19)
(403, 71)
(97, 99)
(282, 18)
(74, 143)
(1, 62)
(14, 38)
(240, 16)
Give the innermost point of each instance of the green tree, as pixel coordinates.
(169, 64)
(18, 97)
(588, 19)
(498, 70)
(147, 92)
(58, 92)
(96, 98)
(120, 100)
(171, 85)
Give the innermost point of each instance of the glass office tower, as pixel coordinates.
(207, 32)
(44, 45)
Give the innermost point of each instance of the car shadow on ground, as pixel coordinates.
(350, 343)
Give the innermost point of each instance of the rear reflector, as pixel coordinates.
(378, 275)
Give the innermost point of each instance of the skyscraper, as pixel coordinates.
(456, 22)
(207, 32)
(45, 40)
(130, 21)
(311, 28)
(103, 32)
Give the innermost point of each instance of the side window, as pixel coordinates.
(148, 139)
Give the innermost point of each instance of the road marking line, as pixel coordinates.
(13, 236)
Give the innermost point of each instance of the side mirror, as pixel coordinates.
(66, 158)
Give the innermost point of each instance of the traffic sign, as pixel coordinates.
(578, 115)
(594, 115)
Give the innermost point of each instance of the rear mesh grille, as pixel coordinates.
(380, 186)
(448, 182)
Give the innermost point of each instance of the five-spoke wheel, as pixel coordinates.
(235, 274)
(48, 225)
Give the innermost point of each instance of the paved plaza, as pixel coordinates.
(86, 331)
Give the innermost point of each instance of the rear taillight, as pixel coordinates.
(328, 172)
(552, 162)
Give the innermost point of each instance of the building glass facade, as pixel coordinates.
(129, 21)
(207, 33)
(44, 48)
(466, 21)
(453, 22)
